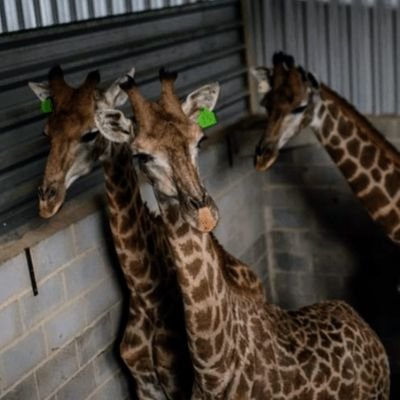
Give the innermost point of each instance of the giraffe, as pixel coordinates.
(294, 99)
(241, 346)
(154, 343)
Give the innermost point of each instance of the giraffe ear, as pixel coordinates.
(263, 77)
(113, 125)
(41, 89)
(115, 96)
(204, 97)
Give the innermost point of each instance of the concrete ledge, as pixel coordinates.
(38, 229)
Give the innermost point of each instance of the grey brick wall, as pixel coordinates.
(62, 343)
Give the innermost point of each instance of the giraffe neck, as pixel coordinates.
(154, 345)
(217, 292)
(369, 163)
(135, 237)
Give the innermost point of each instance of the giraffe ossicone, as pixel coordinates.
(294, 99)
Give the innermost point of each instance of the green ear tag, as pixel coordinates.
(206, 118)
(46, 106)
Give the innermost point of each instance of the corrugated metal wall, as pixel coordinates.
(204, 42)
(353, 45)
(17, 15)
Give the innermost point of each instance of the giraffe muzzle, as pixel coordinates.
(50, 200)
(207, 220)
(202, 213)
(265, 157)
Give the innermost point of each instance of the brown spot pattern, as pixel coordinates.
(375, 199)
(367, 157)
(376, 174)
(327, 126)
(360, 183)
(345, 127)
(333, 110)
(353, 147)
(392, 183)
(348, 167)
(390, 220)
(336, 154)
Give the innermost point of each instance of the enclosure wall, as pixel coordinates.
(352, 46)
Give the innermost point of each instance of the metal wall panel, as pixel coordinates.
(203, 42)
(17, 15)
(352, 45)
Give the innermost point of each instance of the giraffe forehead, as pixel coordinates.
(68, 124)
(288, 82)
(168, 135)
(72, 113)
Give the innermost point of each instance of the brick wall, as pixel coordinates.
(62, 343)
(59, 344)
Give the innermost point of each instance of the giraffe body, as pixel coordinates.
(294, 99)
(245, 348)
(242, 347)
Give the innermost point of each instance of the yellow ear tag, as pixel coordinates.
(46, 106)
(206, 118)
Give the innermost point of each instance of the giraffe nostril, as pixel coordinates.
(195, 203)
(40, 192)
(46, 193)
(51, 192)
(259, 151)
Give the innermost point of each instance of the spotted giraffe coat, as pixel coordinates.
(244, 348)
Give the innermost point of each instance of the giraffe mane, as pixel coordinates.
(373, 134)
(230, 264)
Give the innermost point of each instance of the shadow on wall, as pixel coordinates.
(342, 243)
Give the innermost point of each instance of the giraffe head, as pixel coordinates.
(289, 95)
(166, 143)
(72, 133)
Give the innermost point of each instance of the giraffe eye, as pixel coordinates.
(299, 110)
(203, 138)
(88, 137)
(143, 158)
